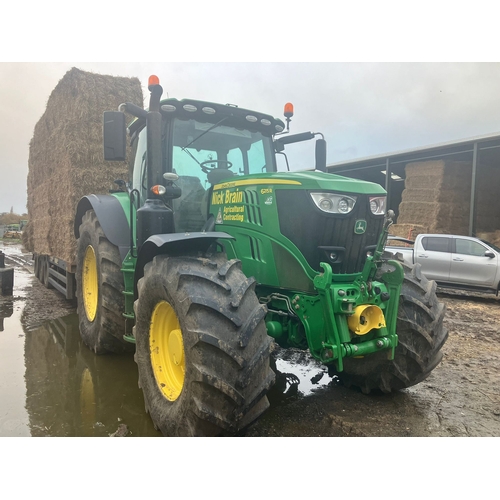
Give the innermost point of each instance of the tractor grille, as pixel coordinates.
(318, 235)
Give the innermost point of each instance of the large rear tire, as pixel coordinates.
(99, 287)
(202, 348)
(421, 336)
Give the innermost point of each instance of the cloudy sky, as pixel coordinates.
(362, 108)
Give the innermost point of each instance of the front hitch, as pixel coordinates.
(360, 317)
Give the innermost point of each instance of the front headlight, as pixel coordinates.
(333, 203)
(377, 204)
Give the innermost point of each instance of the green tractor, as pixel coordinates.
(210, 256)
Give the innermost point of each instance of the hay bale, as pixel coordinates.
(436, 196)
(66, 160)
(492, 236)
(408, 231)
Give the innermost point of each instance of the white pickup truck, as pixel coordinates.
(453, 261)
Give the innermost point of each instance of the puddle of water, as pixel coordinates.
(51, 384)
(305, 373)
(72, 392)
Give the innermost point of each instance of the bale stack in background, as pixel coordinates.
(436, 199)
(66, 158)
(491, 237)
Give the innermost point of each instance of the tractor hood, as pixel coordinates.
(307, 180)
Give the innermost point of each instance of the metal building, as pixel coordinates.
(482, 154)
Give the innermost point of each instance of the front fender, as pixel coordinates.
(174, 244)
(112, 212)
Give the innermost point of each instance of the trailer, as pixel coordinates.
(55, 273)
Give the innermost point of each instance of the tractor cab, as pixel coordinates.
(202, 146)
(181, 149)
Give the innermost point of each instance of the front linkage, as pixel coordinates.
(351, 315)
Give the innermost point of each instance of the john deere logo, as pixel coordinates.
(360, 226)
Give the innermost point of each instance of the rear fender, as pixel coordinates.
(112, 214)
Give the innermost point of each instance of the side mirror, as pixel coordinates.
(114, 136)
(489, 254)
(321, 155)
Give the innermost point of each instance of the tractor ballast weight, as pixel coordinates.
(209, 254)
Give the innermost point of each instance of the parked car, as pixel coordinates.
(453, 261)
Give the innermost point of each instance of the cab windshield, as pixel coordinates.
(201, 148)
(203, 155)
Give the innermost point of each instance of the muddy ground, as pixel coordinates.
(461, 397)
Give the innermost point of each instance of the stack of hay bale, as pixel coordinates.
(490, 236)
(66, 160)
(436, 199)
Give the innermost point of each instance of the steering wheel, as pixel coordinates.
(204, 165)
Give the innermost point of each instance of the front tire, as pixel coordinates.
(99, 287)
(421, 336)
(202, 348)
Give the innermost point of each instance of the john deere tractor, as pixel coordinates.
(209, 256)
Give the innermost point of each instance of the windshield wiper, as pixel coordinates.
(206, 131)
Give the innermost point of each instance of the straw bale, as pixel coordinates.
(440, 174)
(66, 159)
(432, 215)
(419, 194)
(27, 237)
(492, 237)
(409, 231)
(436, 196)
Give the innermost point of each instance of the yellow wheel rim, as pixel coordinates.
(167, 350)
(90, 286)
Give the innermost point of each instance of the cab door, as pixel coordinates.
(470, 265)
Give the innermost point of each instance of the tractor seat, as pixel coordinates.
(218, 175)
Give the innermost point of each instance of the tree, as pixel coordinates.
(10, 218)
